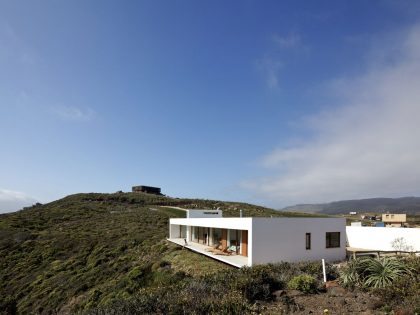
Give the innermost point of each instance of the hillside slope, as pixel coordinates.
(409, 205)
(87, 250)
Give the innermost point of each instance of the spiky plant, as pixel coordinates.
(382, 272)
(371, 272)
(350, 274)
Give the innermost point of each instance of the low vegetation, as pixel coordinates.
(107, 254)
(374, 273)
(395, 280)
(90, 250)
(234, 291)
(304, 283)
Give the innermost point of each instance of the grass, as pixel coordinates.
(90, 249)
(107, 254)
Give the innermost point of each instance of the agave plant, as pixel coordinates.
(350, 275)
(383, 271)
(370, 272)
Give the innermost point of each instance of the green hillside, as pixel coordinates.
(88, 250)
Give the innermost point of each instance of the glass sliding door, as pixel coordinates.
(194, 236)
(217, 236)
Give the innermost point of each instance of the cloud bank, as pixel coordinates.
(14, 200)
(368, 146)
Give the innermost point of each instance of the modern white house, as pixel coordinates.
(247, 241)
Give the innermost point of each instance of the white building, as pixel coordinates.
(250, 241)
(382, 239)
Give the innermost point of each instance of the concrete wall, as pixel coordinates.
(279, 239)
(204, 213)
(283, 239)
(174, 231)
(224, 223)
(378, 238)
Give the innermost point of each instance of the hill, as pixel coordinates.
(90, 250)
(409, 205)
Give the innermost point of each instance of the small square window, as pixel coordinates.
(332, 239)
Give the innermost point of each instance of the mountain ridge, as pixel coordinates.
(408, 205)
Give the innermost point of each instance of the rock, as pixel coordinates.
(374, 304)
(336, 291)
(294, 293)
(278, 293)
(331, 284)
(342, 301)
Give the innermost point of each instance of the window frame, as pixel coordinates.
(329, 240)
(308, 241)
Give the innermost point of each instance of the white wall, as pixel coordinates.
(380, 238)
(284, 239)
(174, 231)
(280, 239)
(224, 223)
(204, 213)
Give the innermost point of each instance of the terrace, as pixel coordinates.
(234, 260)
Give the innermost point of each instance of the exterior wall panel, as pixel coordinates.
(378, 238)
(283, 239)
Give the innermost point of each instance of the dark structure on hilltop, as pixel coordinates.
(147, 189)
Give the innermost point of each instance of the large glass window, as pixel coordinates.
(203, 235)
(217, 236)
(234, 240)
(183, 230)
(332, 239)
(194, 234)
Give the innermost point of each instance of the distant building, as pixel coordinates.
(352, 212)
(394, 220)
(147, 189)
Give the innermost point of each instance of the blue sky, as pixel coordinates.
(263, 102)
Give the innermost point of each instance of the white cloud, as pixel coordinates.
(272, 62)
(271, 69)
(286, 42)
(14, 200)
(73, 113)
(366, 147)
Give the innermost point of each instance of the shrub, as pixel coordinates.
(384, 271)
(404, 292)
(374, 273)
(350, 274)
(304, 283)
(257, 283)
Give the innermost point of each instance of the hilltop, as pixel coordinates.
(409, 205)
(89, 250)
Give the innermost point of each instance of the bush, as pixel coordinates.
(404, 292)
(383, 272)
(373, 273)
(257, 283)
(350, 274)
(304, 283)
